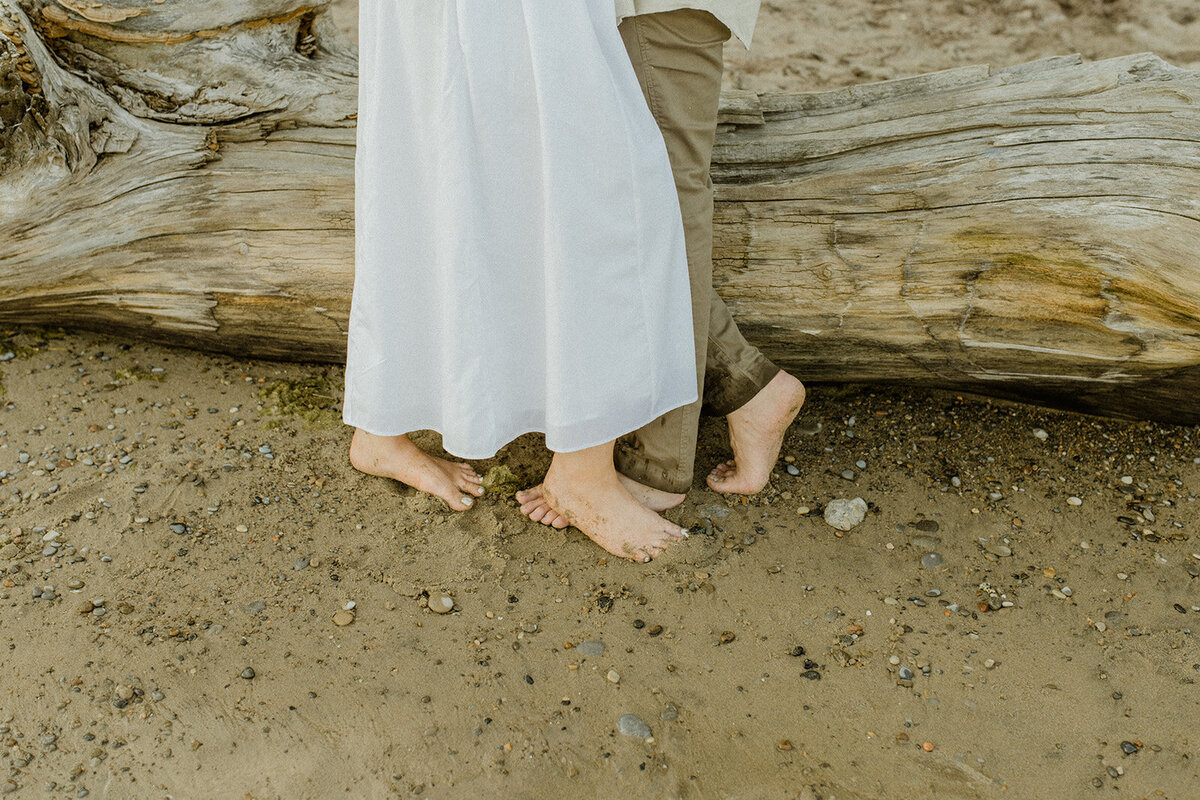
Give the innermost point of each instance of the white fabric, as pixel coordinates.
(519, 250)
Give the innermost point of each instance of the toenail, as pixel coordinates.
(479, 490)
(684, 532)
(466, 501)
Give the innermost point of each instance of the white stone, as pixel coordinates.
(845, 514)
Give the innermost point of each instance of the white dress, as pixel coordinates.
(519, 250)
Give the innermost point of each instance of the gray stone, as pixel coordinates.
(592, 648)
(931, 560)
(714, 512)
(844, 514)
(997, 549)
(632, 725)
(670, 712)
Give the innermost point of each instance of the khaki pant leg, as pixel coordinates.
(678, 58)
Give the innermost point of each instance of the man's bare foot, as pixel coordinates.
(609, 515)
(756, 434)
(396, 457)
(534, 505)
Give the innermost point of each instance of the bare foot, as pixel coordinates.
(756, 434)
(396, 457)
(534, 505)
(610, 516)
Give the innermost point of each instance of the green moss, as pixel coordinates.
(137, 373)
(311, 399)
(501, 481)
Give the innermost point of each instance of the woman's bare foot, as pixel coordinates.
(534, 505)
(756, 434)
(396, 457)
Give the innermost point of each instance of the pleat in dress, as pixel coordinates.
(519, 251)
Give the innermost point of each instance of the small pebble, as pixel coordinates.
(1040, 434)
(792, 469)
(248, 673)
(997, 549)
(343, 618)
(930, 560)
(1129, 748)
(441, 604)
(845, 515)
(632, 725)
(1075, 501)
(613, 676)
(670, 713)
(592, 648)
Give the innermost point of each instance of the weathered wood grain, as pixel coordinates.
(183, 172)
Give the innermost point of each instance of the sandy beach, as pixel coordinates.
(202, 599)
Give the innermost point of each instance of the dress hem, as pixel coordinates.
(458, 452)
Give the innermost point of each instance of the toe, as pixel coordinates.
(530, 495)
(539, 511)
(468, 486)
(458, 502)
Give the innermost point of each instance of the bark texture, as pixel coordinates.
(184, 172)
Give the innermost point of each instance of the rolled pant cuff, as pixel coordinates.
(733, 390)
(635, 466)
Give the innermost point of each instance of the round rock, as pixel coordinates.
(592, 648)
(343, 618)
(441, 604)
(845, 515)
(632, 725)
(931, 560)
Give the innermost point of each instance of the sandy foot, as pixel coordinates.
(534, 505)
(609, 515)
(756, 433)
(396, 457)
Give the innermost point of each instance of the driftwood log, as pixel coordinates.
(183, 172)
